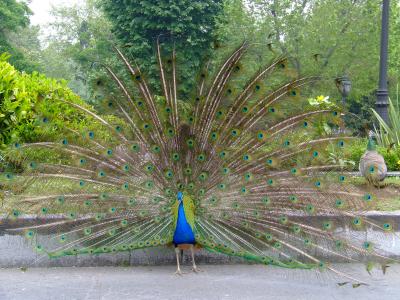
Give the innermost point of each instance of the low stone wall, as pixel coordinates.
(15, 251)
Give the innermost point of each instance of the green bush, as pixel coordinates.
(28, 99)
(357, 148)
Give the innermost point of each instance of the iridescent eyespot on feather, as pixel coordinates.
(222, 154)
(327, 225)
(131, 201)
(201, 157)
(149, 184)
(109, 152)
(169, 174)
(64, 142)
(272, 110)
(225, 171)
(135, 147)
(245, 109)
(214, 136)
(357, 221)
(246, 157)
(155, 149)
(175, 156)
(339, 244)
(125, 168)
(203, 176)
(283, 219)
(266, 200)
(103, 196)
(60, 200)
(190, 143)
(310, 208)
(387, 226)
(125, 186)
(29, 234)
(248, 176)
(149, 168)
(342, 178)
(234, 132)
(170, 132)
(339, 203)
(91, 134)
(260, 135)
(368, 197)
(367, 245)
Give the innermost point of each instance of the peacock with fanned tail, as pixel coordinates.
(244, 172)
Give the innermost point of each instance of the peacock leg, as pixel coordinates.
(178, 270)
(194, 268)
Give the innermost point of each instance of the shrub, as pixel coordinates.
(28, 99)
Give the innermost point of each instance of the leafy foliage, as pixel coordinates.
(388, 135)
(28, 99)
(186, 25)
(14, 16)
(79, 41)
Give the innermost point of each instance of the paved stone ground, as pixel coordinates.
(215, 282)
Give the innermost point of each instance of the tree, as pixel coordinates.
(326, 37)
(79, 41)
(186, 25)
(14, 16)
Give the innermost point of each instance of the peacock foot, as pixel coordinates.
(196, 269)
(178, 272)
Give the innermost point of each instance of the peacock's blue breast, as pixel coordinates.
(183, 232)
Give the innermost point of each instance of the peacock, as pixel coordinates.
(370, 161)
(241, 167)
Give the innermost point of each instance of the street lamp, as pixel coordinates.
(344, 86)
(382, 94)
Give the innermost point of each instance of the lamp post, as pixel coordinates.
(344, 86)
(382, 95)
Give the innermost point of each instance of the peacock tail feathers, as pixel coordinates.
(250, 154)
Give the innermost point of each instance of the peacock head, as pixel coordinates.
(180, 196)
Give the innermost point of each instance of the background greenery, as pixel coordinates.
(327, 37)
